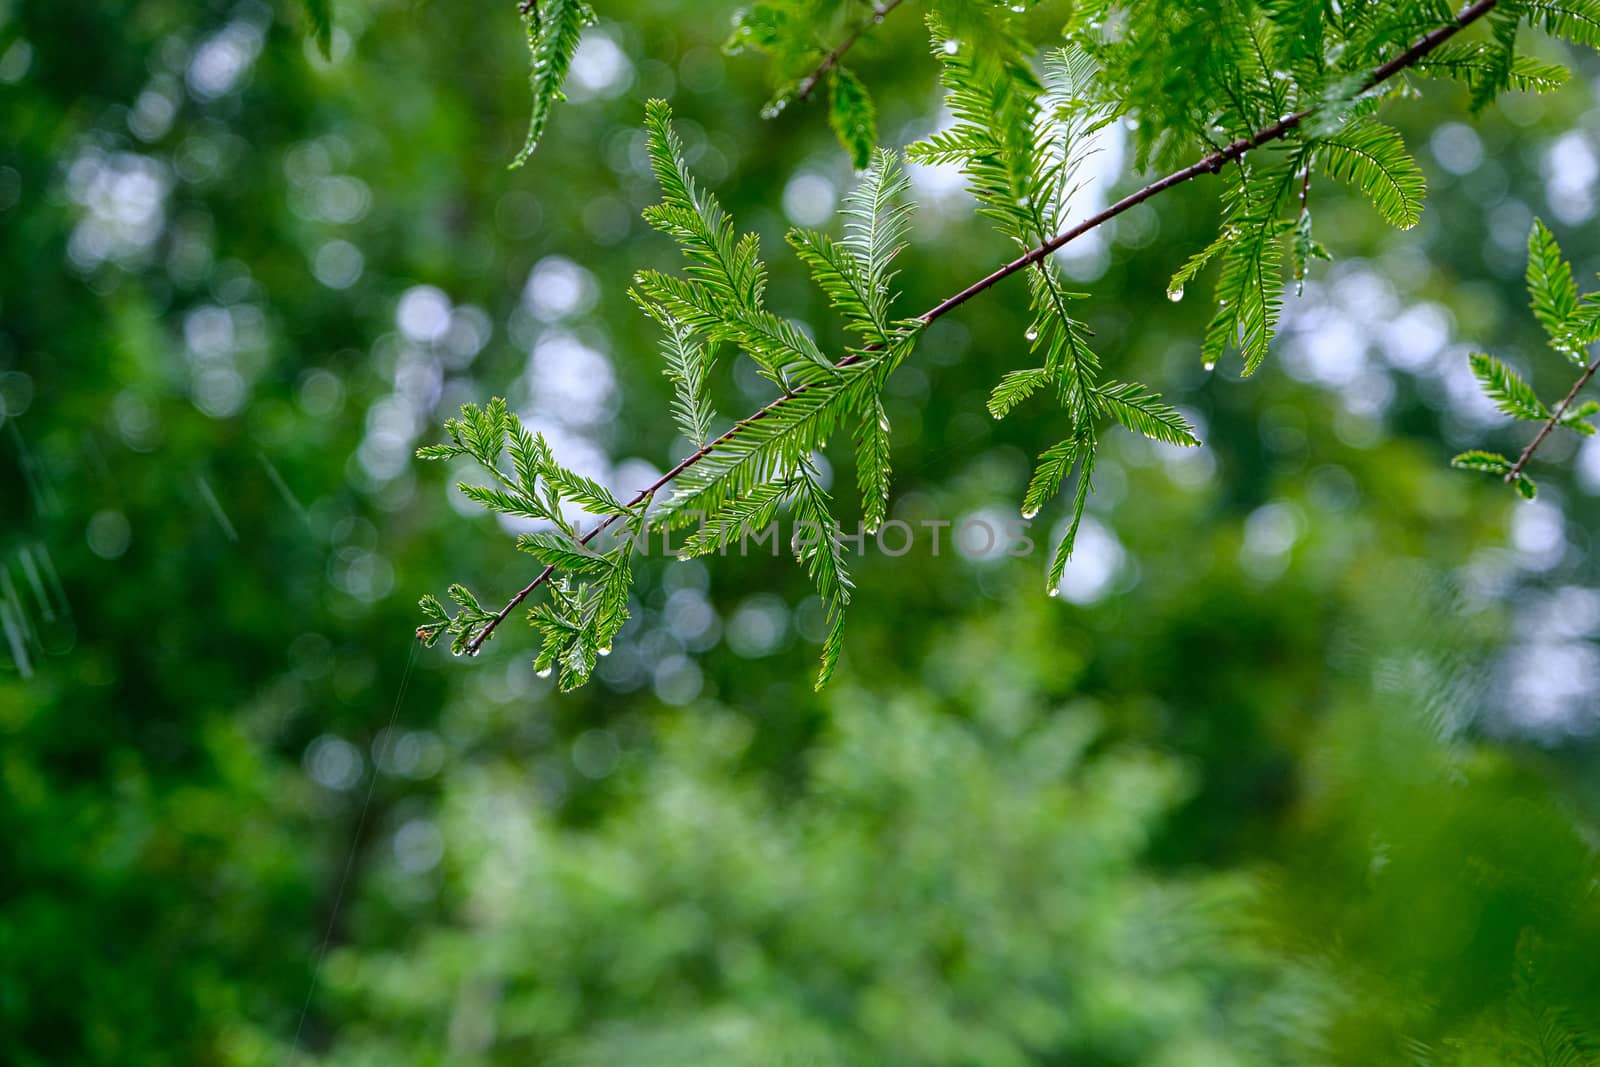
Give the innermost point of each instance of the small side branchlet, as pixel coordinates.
(1571, 324)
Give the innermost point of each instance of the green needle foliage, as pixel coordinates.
(852, 115)
(761, 465)
(855, 271)
(1506, 388)
(1571, 323)
(1266, 94)
(689, 370)
(553, 28)
(1373, 158)
(589, 602)
(1553, 294)
(765, 462)
(1023, 172)
(1575, 20)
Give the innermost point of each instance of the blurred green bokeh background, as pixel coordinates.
(1299, 769)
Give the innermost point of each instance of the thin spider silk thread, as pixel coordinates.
(350, 859)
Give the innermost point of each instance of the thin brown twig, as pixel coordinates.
(1209, 164)
(832, 59)
(1551, 423)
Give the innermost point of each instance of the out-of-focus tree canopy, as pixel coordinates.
(1296, 769)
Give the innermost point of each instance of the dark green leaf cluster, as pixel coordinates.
(1203, 74)
(1211, 76)
(806, 40)
(1500, 67)
(589, 602)
(1531, 1029)
(1572, 324)
(791, 33)
(1198, 75)
(1191, 76)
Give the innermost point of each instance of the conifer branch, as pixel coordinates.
(1550, 424)
(638, 498)
(1209, 164)
(810, 81)
(1214, 162)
